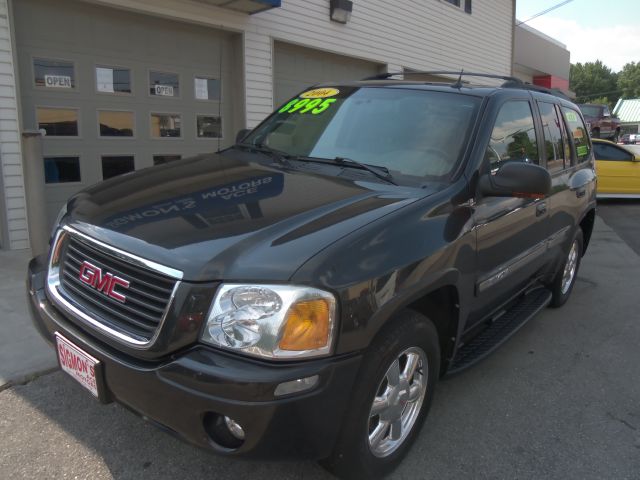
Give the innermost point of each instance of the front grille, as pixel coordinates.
(147, 297)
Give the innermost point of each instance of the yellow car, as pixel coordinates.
(618, 169)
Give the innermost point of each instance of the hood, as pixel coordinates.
(228, 217)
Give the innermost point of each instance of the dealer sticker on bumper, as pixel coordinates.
(77, 363)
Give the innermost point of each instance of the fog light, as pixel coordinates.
(235, 428)
(296, 386)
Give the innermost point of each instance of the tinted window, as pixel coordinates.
(578, 133)
(53, 74)
(552, 131)
(61, 169)
(603, 151)
(513, 138)
(164, 84)
(115, 124)
(113, 80)
(113, 165)
(58, 122)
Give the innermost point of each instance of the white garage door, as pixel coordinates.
(117, 91)
(296, 68)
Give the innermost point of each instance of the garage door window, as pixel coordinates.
(114, 165)
(166, 125)
(54, 74)
(58, 122)
(162, 84)
(207, 88)
(115, 123)
(209, 126)
(61, 169)
(113, 80)
(161, 159)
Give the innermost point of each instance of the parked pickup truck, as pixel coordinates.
(600, 122)
(301, 292)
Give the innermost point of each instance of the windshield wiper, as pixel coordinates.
(279, 156)
(377, 170)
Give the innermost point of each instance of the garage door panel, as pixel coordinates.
(296, 68)
(93, 36)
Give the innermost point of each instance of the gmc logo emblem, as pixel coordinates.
(103, 282)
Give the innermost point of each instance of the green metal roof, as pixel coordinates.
(628, 110)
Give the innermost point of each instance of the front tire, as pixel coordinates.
(565, 279)
(391, 398)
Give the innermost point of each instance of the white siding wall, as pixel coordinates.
(10, 148)
(420, 35)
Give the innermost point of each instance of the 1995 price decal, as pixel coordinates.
(307, 105)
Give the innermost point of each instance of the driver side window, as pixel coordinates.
(513, 138)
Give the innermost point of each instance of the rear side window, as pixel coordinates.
(513, 138)
(553, 141)
(611, 153)
(578, 133)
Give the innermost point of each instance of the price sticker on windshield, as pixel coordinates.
(313, 101)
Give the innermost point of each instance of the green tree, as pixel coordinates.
(592, 80)
(629, 80)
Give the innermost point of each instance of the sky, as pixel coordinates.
(592, 30)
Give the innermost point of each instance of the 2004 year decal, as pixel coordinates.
(313, 101)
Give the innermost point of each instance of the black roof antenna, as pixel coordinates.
(458, 83)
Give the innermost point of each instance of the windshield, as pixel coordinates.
(413, 133)
(590, 110)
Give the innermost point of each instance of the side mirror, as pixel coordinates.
(516, 179)
(241, 134)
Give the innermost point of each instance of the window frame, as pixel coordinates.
(108, 137)
(101, 166)
(566, 160)
(221, 137)
(44, 88)
(162, 70)
(575, 161)
(615, 147)
(64, 184)
(535, 120)
(153, 112)
(120, 94)
(207, 77)
(59, 107)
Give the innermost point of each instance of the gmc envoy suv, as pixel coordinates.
(300, 293)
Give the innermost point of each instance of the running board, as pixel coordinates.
(500, 330)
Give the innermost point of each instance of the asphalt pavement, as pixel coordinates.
(560, 400)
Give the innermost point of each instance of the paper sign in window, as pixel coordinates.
(105, 79)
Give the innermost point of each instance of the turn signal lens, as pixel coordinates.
(307, 326)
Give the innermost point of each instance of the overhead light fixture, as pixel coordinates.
(341, 10)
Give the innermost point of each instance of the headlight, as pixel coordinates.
(272, 321)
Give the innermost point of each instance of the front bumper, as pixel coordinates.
(182, 392)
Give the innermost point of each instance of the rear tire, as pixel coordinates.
(385, 415)
(565, 279)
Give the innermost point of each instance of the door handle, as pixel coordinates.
(580, 192)
(541, 209)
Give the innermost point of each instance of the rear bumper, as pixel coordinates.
(182, 393)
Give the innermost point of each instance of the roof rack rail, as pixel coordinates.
(461, 73)
(537, 88)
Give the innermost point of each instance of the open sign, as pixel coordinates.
(165, 90)
(57, 81)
